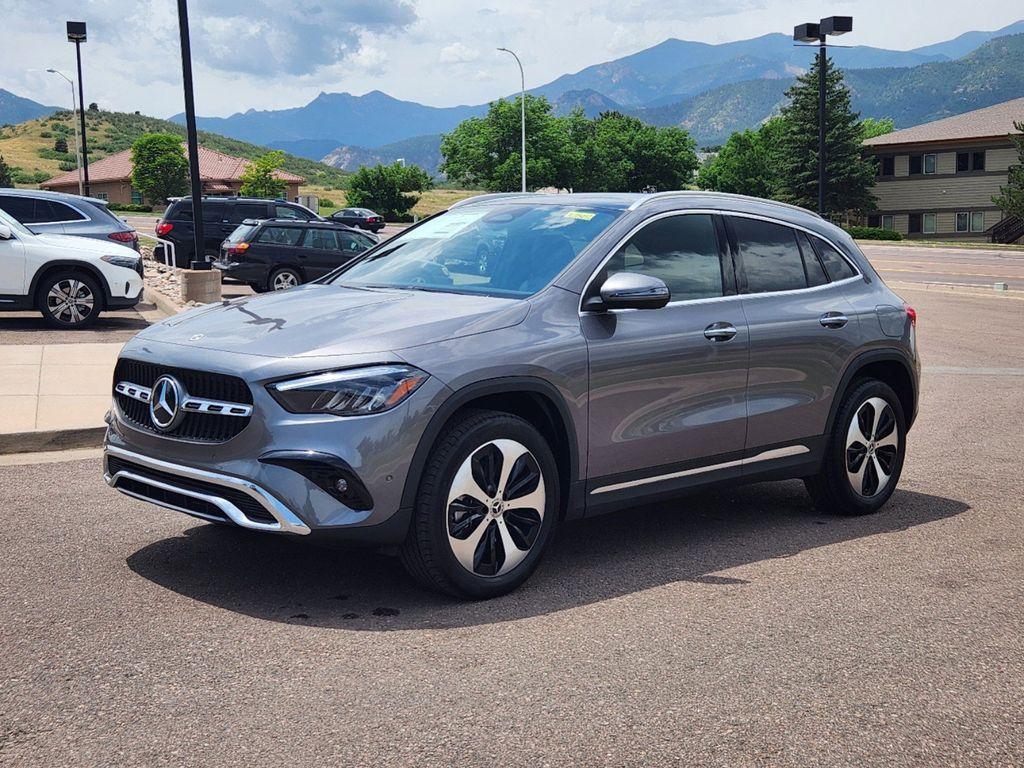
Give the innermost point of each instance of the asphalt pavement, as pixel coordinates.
(737, 628)
(965, 267)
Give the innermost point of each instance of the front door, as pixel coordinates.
(12, 268)
(667, 386)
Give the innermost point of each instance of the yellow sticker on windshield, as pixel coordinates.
(581, 215)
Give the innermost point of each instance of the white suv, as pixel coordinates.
(70, 280)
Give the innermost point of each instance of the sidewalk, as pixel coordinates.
(49, 393)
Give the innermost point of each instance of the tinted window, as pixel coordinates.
(241, 233)
(915, 164)
(352, 243)
(323, 239)
(682, 251)
(280, 236)
(812, 267)
(20, 208)
(771, 258)
(979, 161)
(837, 267)
(242, 211)
(287, 212)
(58, 211)
(963, 162)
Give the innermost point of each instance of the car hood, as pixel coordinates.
(323, 320)
(88, 247)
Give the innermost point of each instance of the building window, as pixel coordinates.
(888, 221)
(100, 195)
(928, 225)
(963, 222)
(930, 162)
(963, 162)
(978, 161)
(914, 224)
(887, 166)
(978, 221)
(874, 220)
(915, 165)
(136, 197)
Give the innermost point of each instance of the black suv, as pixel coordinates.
(279, 254)
(221, 216)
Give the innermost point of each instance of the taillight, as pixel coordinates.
(238, 248)
(124, 237)
(163, 227)
(911, 313)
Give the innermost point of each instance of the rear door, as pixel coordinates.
(802, 333)
(667, 386)
(324, 250)
(281, 247)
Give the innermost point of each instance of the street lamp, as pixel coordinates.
(199, 257)
(816, 34)
(522, 112)
(78, 154)
(76, 35)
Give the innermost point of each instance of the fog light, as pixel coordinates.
(329, 473)
(341, 486)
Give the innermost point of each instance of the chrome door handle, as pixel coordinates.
(833, 320)
(720, 331)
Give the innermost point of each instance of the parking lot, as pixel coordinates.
(734, 628)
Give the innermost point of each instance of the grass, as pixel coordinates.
(430, 202)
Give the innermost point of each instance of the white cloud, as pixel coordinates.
(370, 59)
(458, 53)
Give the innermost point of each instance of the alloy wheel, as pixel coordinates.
(495, 508)
(70, 301)
(872, 446)
(285, 280)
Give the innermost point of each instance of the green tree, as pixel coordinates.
(848, 174)
(747, 164)
(485, 151)
(871, 127)
(159, 167)
(259, 179)
(60, 144)
(390, 190)
(1011, 197)
(5, 174)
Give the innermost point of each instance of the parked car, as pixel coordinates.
(69, 279)
(278, 254)
(363, 218)
(221, 216)
(58, 213)
(624, 349)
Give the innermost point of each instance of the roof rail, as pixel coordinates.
(725, 195)
(489, 196)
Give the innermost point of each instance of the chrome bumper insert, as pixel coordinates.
(286, 520)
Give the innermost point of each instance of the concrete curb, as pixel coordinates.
(55, 440)
(164, 303)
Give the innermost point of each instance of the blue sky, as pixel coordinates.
(274, 54)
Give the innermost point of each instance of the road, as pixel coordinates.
(737, 628)
(980, 267)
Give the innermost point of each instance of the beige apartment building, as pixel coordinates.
(937, 180)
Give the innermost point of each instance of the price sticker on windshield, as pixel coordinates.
(580, 215)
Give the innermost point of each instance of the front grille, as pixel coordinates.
(245, 503)
(197, 427)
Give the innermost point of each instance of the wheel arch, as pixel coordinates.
(535, 400)
(891, 366)
(68, 265)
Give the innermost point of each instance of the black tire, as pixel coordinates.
(833, 487)
(259, 287)
(69, 316)
(284, 274)
(428, 554)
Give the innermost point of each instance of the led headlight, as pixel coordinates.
(352, 392)
(128, 262)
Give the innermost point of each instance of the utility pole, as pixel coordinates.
(76, 35)
(199, 256)
(522, 114)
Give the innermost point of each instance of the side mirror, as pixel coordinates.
(631, 290)
(5, 232)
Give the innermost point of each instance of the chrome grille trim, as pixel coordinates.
(189, 404)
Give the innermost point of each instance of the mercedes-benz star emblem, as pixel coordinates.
(165, 403)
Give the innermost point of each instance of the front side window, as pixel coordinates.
(771, 259)
(527, 245)
(351, 242)
(928, 223)
(279, 236)
(21, 208)
(681, 251)
(321, 239)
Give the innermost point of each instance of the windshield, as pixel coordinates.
(241, 232)
(510, 249)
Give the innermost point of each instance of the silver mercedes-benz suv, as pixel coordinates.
(618, 349)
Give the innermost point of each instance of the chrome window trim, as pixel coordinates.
(858, 275)
(775, 453)
(287, 521)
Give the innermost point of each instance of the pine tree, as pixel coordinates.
(5, 174)
(849, 176)
(1011, 197)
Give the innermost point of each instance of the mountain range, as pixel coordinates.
(17, 109)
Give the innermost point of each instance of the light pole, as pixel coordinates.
(199, 258)
(76, 35)
(522, 112)
(78, 153)
(817, 34)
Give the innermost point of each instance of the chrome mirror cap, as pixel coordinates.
(632, 290)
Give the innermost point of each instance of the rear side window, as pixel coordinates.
(771, 259)
(322, 239)
(241, 233)
(837, 267)
(280, 236)
(242, 211)
(682, 251)
(812, 267)
(57, 211)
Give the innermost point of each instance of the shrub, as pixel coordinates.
(326, 202)
(130, 207)
(45, 134)
(873, 233)
(67, 165)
